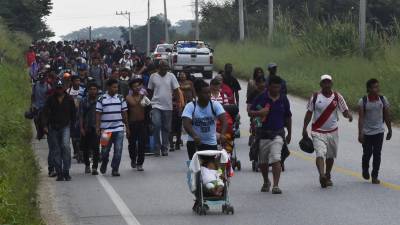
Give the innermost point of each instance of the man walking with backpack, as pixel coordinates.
(273, 109)
(373, 111)
(323, 110)
(199, 120)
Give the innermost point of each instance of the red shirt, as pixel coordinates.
(30, 57)
(226, 90)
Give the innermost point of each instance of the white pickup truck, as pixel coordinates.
(192, 57)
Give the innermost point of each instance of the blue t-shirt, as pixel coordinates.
(204, 121)
(279, 111)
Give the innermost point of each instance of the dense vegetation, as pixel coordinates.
(18, 167)
(27, 16)
(324, 40)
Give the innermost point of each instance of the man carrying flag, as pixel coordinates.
(323, 109)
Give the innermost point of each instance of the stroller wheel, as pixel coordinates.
(231, 210)
(227, 209)
(239, 165)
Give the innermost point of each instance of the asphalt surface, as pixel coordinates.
(160, 195)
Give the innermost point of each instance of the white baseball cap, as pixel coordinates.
(326, 77)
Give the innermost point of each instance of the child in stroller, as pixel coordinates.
(209, 186)
(212, 177)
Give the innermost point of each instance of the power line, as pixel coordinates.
(127, 15)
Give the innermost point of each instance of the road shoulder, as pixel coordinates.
(46, 189)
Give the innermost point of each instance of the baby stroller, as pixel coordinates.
(253, 154)
(232, 111)
(196, 186)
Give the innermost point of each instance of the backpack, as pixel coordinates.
(365, 101)
(212, 109)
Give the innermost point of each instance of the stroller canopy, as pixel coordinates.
(195, 163)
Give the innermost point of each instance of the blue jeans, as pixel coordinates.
(117, 139)
(50, 156)
(161, 120)
(59, 149)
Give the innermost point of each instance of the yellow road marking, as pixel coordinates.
(346, 171)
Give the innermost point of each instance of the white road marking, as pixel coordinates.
(128, 216)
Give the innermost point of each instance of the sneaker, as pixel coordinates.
(329, 182)
(156, 154)
(375, 180)
(323, 182)
(52, 174)
(60, 178)
(115, 173)
(133, 164)
(94, 172)
(87, 169)
(67, 177)
(365, 175)
(103, 167)
(266, 187)
(171, 149)
(276, 191)
(140, 168)
(164, 153)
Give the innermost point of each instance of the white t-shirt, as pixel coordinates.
(321, 104)
(209, 175)
(162, 87)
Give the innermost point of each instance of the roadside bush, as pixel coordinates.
(18, 167)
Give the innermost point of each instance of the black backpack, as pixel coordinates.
(365, 101)
(194, 109)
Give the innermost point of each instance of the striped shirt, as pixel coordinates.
(111, 108)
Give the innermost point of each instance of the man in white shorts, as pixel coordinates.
(273, 110)
(324, 105)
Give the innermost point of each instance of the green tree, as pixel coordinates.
(157, 33)
(27, 16)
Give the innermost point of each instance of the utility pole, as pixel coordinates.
(90, 33)
(241, 21)
(166, 22)
(362, 25)
(127, 15)
(270, 19)
(148, 27)
(196, 14)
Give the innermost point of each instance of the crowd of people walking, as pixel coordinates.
(91, 94)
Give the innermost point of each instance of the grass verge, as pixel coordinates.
(303, 72)
(18, 166)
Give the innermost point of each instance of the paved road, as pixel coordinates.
(159, 195)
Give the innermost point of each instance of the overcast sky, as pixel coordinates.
(71, 15)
